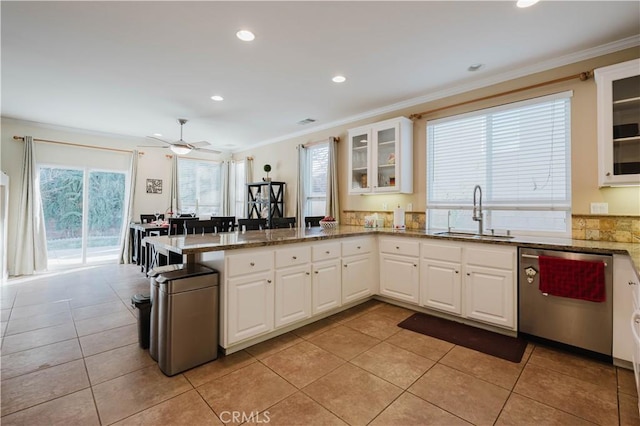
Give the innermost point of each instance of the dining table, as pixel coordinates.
(137, 232)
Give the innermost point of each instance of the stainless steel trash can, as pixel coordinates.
(187, 318)
(153, 293)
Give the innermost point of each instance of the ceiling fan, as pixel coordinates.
(180, 147)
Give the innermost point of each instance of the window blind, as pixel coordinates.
(199, 186)
(518, 153)
(317, 167)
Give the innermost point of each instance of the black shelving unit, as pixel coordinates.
(265, 200)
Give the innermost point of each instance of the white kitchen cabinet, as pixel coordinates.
(399, 271)
(292, 294)
(249, 306)
(625, 301)
(441, 278)
(475, 281)
(381, 157)
(326, 284)
(359, 268)
(618, 89)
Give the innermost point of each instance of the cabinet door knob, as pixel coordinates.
(608, 173)
(307, 273)
(358, 247)
(415, 266)
(315, 272)
(397, 248)
(269, 281)
(632, 283)
(345, 265)
(468, 274)
(457, 272)
(327, 252)
(252, 264)
(294, 257)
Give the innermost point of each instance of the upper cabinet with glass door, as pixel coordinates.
(619, 124)
(381, 157)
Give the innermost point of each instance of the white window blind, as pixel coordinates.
(316, 179)
(199, 186)
(518, 153)
(238, 189)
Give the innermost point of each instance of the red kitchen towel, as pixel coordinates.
(576, 279)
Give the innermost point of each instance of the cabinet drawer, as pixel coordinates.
(325, 251)
(248, 263)
(292, 256)
(401, 247)
(491, 258)
(357, 246)
(439, 251)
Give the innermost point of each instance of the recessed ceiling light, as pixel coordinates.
(245, 35)
(339, 79)
(474, 67)
(217, 98)
(526, 3)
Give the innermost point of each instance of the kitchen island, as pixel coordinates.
(274, 281)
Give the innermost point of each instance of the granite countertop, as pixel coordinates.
(193, 244)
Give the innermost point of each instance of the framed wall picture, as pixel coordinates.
(154, 186)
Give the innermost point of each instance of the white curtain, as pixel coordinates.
(125, 241)
(332, 207)
(31, 247)
(301, 197)
(225, 190)
(174, 186)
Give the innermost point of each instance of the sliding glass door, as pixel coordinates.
(83, 212)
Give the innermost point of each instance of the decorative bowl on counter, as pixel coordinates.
(328, 224)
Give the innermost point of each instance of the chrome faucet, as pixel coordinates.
(477, 207)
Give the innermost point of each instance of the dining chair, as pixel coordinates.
(176, 224)
(283, 222)
(200, 226)
(148, 218)
(311, 221)
(252, 224)
(226, 223)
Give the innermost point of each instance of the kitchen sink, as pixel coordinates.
(474, 235)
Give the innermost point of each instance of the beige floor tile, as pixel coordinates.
(629, 410)
(109, 339)
(315, 328)
(408, 409)
(104, 322)
(397, 313)
(121, 397)
(117, 362)
(574, 365)
(420, 344)
(43, 296)
(297, 410)
(34, 388)
(91, 300)
(76, 409)
(218, 368)
(36, 338)
(188, 409)
(302, 363)
(374, 325)
(271, 346)
(393, 364)
(98, 310)
(578, 397)
(38, 321)
(486, 367)
(353, 394)
(253, 388)
(520, 410)
(461, 394)
(31, 360)
(356, 311)
(344, 342)
(626, 382)
(43, 309)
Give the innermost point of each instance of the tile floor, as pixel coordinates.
(69, 355)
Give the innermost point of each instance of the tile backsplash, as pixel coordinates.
(624, 229)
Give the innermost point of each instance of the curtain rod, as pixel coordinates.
(78, 145)
(583, 76)
(308, 144)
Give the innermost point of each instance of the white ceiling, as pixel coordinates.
(133, 68)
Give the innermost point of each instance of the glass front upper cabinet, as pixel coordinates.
(619, 124)
(381, 157)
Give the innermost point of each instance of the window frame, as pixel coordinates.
(196, 205)
(310, 196)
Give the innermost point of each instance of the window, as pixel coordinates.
(316, 179)
(518, 153)
(238, 189)
(199, 186)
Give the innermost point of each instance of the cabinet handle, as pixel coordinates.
(315, 272)
(345, 265)
(269, 281)
(309, 273)
(608, 173)
(397, 248)
(327, 252)
(415, 266)
(468, 274)
(294, 257)
(358, 247)
(632, 283)
(457, 272)
(252, 264)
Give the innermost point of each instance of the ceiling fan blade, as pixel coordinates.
(152, 146)
(161, 140)
(212, 151)
(200, 144)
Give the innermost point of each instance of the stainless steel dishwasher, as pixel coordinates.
(578, 323)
